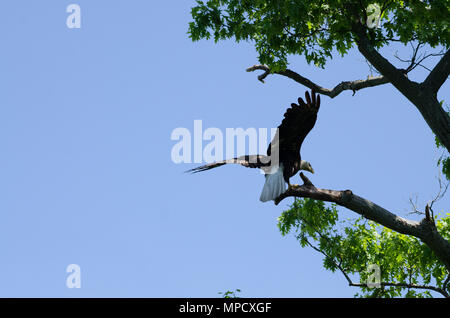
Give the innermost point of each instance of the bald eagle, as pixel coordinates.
(298, 121)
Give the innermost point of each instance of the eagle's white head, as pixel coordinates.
(305, 165)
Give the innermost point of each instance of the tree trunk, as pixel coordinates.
(431, 237)
(423, 96)
(433, 113)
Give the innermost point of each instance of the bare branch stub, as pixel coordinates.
(306, 181)
(427, 213)
(264, 68)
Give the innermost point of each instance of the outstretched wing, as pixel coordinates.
(252, 161)
(298, 121)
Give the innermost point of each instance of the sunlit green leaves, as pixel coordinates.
(316, 29)
(355, 244)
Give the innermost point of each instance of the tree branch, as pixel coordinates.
(416, 59)
(343, 86)
(425, 230)
(423, 95)
(396, 76)
(439, 73)
(353, 202)
(444, 286)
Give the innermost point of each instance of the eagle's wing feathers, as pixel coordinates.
(298, 121)
(252, 161)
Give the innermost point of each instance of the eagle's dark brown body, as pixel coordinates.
(298, 121)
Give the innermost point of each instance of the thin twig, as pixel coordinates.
(417, 59)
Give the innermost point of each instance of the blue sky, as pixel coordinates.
(87, 178)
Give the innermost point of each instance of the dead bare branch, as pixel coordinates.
(417, 58)
(343, 86)
(441, 193)
(415, 209)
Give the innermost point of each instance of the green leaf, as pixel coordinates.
(355, 244)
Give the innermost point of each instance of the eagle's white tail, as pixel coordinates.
(274, 185)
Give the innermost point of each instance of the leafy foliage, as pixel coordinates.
(230, 294)
(315, 28)
(351, 246)
(444, 160)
